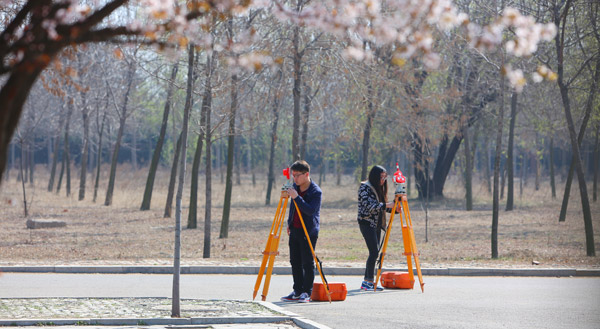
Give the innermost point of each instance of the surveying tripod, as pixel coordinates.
(271, 249)
(408, 235)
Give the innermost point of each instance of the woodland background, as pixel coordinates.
(108, 116)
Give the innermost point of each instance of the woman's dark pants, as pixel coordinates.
(371, 236)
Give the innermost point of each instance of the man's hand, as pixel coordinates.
(292, 192)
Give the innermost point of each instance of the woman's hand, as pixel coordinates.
(389, 204)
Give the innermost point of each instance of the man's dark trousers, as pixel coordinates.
(301, 258)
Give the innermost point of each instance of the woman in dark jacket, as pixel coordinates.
(372, 205)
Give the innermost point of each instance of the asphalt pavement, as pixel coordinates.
(448, 301)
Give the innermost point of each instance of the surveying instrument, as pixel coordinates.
(408, 235)
(271, 249)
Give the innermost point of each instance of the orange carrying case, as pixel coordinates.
(399, 280)
(337, 289)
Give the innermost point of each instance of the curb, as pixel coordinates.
(280, 270)
(298, 320)
(286, 316)
(143, 321)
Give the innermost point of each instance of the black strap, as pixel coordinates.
(322, 272)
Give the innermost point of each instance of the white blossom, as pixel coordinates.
(354, 53)
(515, 78)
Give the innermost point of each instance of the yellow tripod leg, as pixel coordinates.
(267, 251)
(407, 246)
(415, 252)
(313, 252)
(385, 242)
(274, 247)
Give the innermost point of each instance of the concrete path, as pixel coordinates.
(448, 302)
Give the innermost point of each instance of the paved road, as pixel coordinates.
(448, 302)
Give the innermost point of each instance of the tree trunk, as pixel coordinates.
(587, 215)
(123, 117)
(238, 160)
(113, 163)
(564, 93)
(193, 209)
(407, 173)
(205, 107)
(208, 191)
(523, 173)
(219, 151)
(338, 170)
(68, 152)
(49, 153)
(552, 181)
(468, 170)
(596, 163)
(65, 158)
(588, 110)
(296, 91)
(502, 178)
(230, 148)
(55, 154)
(13, 94)
(60, 175)
(538, 164)
(496, 185)
(84, 151)
(305, 116)
(486, 159)
(31, 162)
(171, 191)
(251, 158)
(11, 165)
(133, 147)
(275, 110)
(99, 157)
(510, 166)
(176, 301)
(25, 210)
(159, 144)
(367, 131)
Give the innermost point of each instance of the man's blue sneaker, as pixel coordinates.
(304, 298)
(366, 285)
(292, 297)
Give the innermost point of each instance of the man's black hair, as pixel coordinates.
(300, 166)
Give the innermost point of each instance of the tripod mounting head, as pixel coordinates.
(399, 181)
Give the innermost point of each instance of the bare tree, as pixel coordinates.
(175, 307)
(509, 158)
(56, 150)
(172, 179)
(122, 112)
(224, 232)
(273, 140)
(560, 14)
(159, 144)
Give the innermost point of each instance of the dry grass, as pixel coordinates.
(121, 234)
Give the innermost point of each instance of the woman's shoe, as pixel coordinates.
(367, 285)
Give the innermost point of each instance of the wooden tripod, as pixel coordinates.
(272, 245)
(408, 236)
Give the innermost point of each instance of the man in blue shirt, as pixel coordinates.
(307, 195)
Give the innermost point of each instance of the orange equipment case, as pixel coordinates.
(337, 289)
(400, 280)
